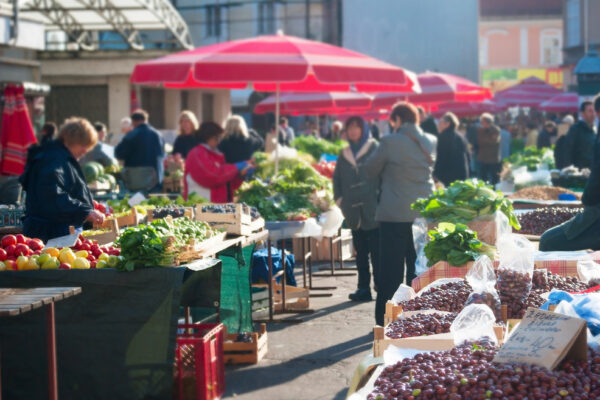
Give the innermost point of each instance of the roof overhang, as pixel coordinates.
(80, 18)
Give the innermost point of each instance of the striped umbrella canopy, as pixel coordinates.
(468, 109)
(564, 102)
(530, 92)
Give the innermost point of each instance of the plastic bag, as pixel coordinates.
(567, 308)
(420, 239)
(403, 293)
(523, 178)
(482, 279)
(331, 221)
(515, 273)
(474, 323)
(589, 272)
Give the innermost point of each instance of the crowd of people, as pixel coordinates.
(375, 181)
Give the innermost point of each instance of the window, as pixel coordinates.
(266, 17)
(573, 21)
(550, 45)
(212, 22)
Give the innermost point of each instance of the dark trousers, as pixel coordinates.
(490, 173)
(366, 243)
(396, 249)
(556, 239)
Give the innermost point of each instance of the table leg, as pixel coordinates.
(283, 277)
(303, 248)
(336, 240)
(0, 378)
(187, 315)
(51, 342)
(270, 278)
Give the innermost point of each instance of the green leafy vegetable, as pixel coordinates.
(463, 201)
(532, 157)
(316, 147)
(456, 244)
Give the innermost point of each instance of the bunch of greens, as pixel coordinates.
(122, 205)
(456, 244)
(157, 244)
(316, 147)
(297, 192)
(463, 201)
(531, 157)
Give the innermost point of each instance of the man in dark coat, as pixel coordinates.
(57, 195)
(488, 153)
(142, 151)
(579, 143)
(452, 162)
(582, 232)
(427, 122)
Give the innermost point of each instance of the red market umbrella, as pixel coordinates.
(564, 102)
(530, 92)
(436, 88)
(17, 132)
(315, 103)
(468, 109)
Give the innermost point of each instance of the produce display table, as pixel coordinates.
(117, 341)
(14, 302)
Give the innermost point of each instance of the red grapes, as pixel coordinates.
(419, 325)
(540, 220)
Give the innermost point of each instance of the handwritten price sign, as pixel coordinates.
(545, 338)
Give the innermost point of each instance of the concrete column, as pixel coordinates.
(195, 103)
(118, 104)
(222, 106)
(172, 108)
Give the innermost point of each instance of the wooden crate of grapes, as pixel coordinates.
(233, 218)
(174, 212)
(247, 348)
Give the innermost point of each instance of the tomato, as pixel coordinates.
(8, 240)
(3, 255)
(22, 250)
(35, 244)
(21, 239)
(86, 246)
(10, 250)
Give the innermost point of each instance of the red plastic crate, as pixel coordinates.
(199, 366)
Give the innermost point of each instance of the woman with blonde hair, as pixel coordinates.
(239, 143)
(57, 195)
(186, 140)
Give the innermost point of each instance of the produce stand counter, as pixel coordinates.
(117, 338)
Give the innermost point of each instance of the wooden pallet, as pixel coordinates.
(295, 298)
(238, 223)
(245, 352)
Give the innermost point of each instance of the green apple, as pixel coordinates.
(101, 264)
(51, 263)
(43, 258)
(113, 261)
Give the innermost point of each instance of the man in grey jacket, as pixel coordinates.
(404, 163)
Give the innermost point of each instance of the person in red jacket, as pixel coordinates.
(206, 172)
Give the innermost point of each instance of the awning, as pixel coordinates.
(79, 19)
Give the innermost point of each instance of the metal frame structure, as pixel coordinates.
(65, 16)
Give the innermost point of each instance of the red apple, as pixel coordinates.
(37, 252)
(35, 244)
(21, 239)
(93, 264)
(10, 249)
(8, 240)
(64, 266)
(22, 250)
(91, 257)
(3, 254)
(86, 247)
(116, 252)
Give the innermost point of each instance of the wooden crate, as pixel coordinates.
(104, 238)
(131, 219)
(295, 298)
(238, 223)
(320, 248)
(172, 185)
(260, 298)
(246, 352)
(196, 250)
(187, 212)
(391, 312)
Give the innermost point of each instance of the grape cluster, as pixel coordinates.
(490, 299)
(513, 288)
(467, 372)
(173, 211)
(540, 220)
(230, 209)
(449, 297)
(546, 281)
(419, 325)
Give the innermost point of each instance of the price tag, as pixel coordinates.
(545, 338)
(63, 241)
(136, 199)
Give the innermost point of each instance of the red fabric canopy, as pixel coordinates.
(437, 88)
(17, 132)
(530, 92)
(468, 109)
(564, 102)
(315, 103)
(264, 62)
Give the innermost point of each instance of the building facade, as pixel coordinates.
(519, 39)
(416, 34)
(581, 30)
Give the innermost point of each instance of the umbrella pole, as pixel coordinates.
(278, 127)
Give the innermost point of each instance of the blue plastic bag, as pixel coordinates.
(587, 306)
(260, 266)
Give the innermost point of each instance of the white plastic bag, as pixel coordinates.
(331, 221)
(515, 273)
(523, 178)
(589, 272)
(420, 238)
(403, 293)
(482, 279)
(475, 322)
